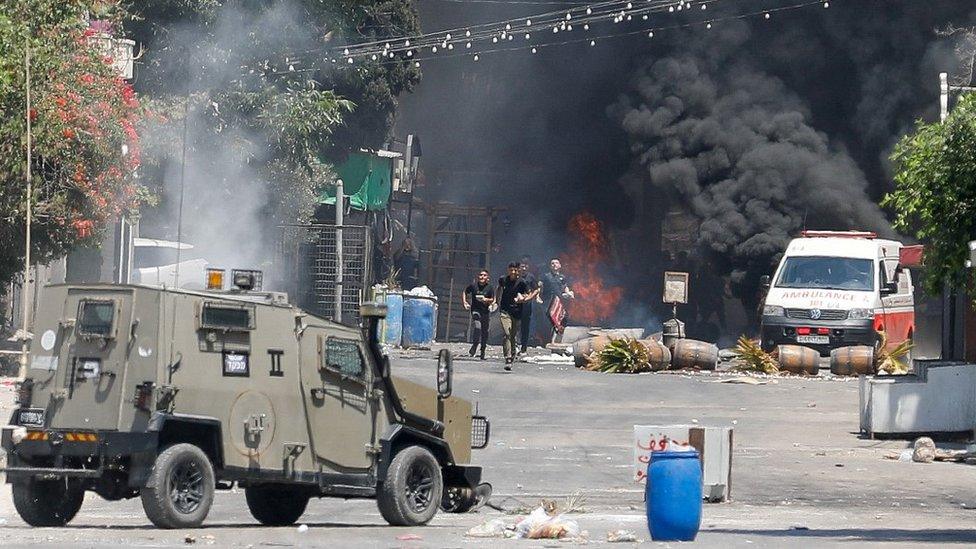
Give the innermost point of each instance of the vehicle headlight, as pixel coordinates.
(773, 310)
(860, 314)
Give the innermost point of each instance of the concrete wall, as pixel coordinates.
(939, 398)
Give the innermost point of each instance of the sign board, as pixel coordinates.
(675, 287)
(714, 445)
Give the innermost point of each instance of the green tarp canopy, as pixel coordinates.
(365, 182)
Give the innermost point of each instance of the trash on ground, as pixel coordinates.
(744, 380)
(923, 451)
(189, 539)
(409, 537)
(621, 536)
(494, 528)
(302, 528)
(540, 525)
(549, 359)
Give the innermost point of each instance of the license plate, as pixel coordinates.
(821, 340)
(33, 417)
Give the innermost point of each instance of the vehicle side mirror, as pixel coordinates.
(445, 373)
(889, 288)
(765, 281)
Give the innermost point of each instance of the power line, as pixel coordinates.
(706, 24)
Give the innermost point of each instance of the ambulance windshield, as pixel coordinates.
(828, 273)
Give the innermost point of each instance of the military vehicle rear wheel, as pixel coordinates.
(47, 502)
(412, 490)
(180, 488)
(276, 505)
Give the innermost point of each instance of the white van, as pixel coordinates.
(833, 289)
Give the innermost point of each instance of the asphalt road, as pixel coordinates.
(802, 476)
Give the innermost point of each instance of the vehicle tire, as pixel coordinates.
(276, 505)
(47, 502)
(412, 489)
(180, 488)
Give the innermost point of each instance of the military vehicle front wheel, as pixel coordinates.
(412, 490)
(276, 505)
(47, 502)
(180, 488)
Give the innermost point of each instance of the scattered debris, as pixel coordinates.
(891, 361)
(744, 380)
(574, 503)
(621, 356)
(302, 528)
(540, 525)
(189, 539)
(549, 359)
(620, 536)
(923, 451)
(494, 528)
(753, 358)
(410, 537)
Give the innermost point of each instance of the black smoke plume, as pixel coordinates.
(734, 147)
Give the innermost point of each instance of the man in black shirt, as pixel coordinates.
(555, 285)
(533, 287)
(512, 292)
(477, 298)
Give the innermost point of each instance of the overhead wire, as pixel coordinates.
(706, 23)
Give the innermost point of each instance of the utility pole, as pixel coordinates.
(25, 289)
(338, 232)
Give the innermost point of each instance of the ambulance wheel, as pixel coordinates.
(412, 489)
(47, 502)
(180, 489)
(276, 505)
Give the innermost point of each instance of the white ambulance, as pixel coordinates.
(833, 289)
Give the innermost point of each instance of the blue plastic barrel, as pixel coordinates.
(674, 496)
(393, 323)
(419, 321)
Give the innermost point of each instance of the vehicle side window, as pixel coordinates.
(343, 356)
(96, 318)
(904, 282)
(224, 316)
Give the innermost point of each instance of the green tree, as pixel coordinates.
(258, 69)
(935, 194)
(85, 144)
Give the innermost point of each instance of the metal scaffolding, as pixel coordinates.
(308, 261)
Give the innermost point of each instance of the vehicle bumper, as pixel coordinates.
(462, 475)
(781, 330)
(60, 453)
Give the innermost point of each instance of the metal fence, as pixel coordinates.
(308, 260)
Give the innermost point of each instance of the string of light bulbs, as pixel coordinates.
(431, 54)
(616, 11)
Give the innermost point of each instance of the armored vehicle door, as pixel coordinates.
(88, 348)
(336, 381)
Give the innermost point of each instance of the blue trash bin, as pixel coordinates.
(393, 323)
(674, 496)
(419, 321)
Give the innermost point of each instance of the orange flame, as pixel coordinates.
(595, 300)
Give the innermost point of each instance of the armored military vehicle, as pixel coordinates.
(169, 395)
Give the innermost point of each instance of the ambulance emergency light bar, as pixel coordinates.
(838, 234)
